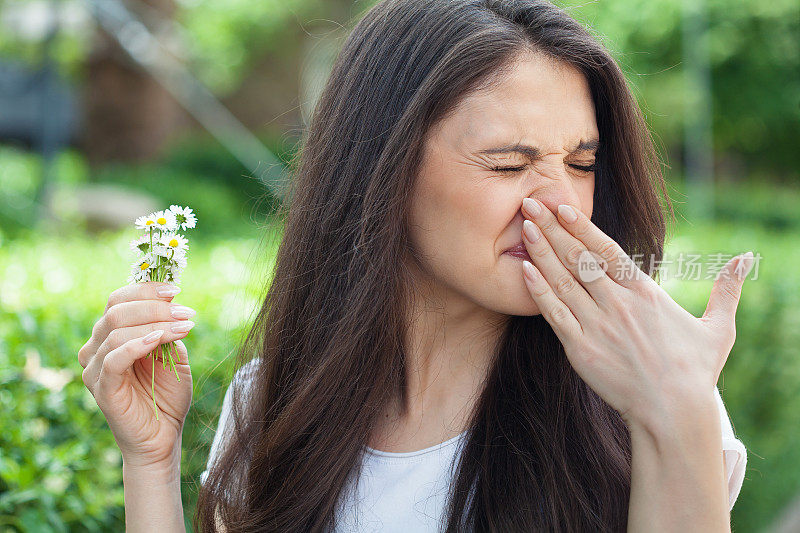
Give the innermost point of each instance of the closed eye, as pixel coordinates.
(589, 168)
(509, 169)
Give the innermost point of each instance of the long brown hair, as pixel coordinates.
(543, 451)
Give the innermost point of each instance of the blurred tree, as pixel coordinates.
(754, 50)
(128, 114)
(248, 52)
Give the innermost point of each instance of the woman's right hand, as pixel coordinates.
(119, 377)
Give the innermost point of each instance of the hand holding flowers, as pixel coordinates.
(139, 316)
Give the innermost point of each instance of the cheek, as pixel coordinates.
(586, 194)
(459, 224)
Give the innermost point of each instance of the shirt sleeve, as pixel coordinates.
(225, 425)
(734, 452)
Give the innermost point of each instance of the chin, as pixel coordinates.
(514, 299)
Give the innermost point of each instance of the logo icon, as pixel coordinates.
(591, 266)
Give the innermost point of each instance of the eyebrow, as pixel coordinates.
(532, 152)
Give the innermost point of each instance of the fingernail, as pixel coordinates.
(531, 231)
(181, 311)
(182, 326)
(567, 213)
(152, 336)
(529, 270)
(531, 206)
(741, 270)
(167, 291)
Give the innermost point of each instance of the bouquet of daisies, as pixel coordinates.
(162, 257)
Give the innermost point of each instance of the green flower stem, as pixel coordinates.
(160, 275)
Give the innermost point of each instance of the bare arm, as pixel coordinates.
(678, 478)
(153, 496)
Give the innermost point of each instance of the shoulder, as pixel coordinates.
(247, 372)
(242, 382)
(733, 451)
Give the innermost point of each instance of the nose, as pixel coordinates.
(556, 192)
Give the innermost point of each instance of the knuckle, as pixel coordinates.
(114, 338)
(624, 308)
(547, 225)
(573, 254)
(540, 251)
(113, 298)
(651, 293)
(111, 320)
(565, 284)
(85, 377)
(98, 325)
(615, 301)
(608, 250)
(540, 289)
(83, 355)
(730, 290)
(107, 361)
(559, 314)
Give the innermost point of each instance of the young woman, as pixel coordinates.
(456, 336)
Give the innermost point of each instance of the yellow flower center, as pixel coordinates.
(144, 266)
(162, 220)
(149, 222)
(173, 243)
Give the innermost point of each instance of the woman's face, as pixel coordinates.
(537, 122)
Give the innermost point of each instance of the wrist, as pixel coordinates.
(676, 416)
(167, 464)
(165, 472)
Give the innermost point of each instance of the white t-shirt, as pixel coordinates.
(406, 492)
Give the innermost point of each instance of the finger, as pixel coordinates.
(182, 353)
(118, 337)
(148, 290)
(556, 312)
(122, 358)
(131, 313)
(121, 336)
(560, 279)
(620, 267)
(727, 290)
(588, 269)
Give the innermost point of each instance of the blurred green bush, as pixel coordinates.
(60, 469)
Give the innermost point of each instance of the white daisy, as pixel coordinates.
(165, 220)
(184, 216)
(174, 241)
(146, 222)
(142, 244)
(142, 268)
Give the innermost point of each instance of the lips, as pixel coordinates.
(518, 251)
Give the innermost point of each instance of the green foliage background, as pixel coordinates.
(754, 57)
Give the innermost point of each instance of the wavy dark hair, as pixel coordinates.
(543, 451)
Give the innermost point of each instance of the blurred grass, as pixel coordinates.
(59, 465)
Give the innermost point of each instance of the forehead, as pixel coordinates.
(545, 102)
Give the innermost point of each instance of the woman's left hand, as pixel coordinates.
(623, 334)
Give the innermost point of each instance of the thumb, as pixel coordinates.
(727, 289)
(182, 353)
